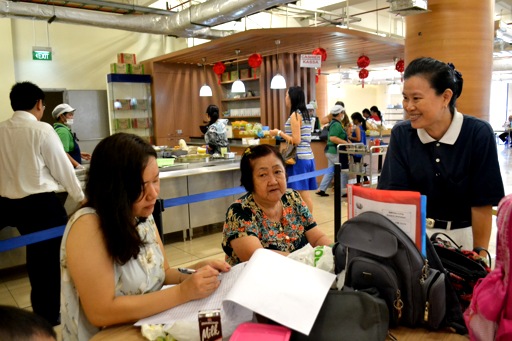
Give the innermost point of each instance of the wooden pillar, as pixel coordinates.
(460, 32)
(322, 96)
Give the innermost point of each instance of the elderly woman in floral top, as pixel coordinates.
(269, 216)
(113, 262)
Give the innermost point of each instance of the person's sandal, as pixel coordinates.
(322, 194)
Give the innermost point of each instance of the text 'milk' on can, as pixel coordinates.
(209, 325)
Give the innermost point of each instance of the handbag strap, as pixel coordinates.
(434, 237)
(477, 249)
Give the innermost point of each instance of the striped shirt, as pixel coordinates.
(304, 151)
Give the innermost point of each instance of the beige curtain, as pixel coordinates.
(273, 110)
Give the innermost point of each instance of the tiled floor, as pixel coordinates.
(15, 287)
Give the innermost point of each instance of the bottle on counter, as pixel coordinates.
(377, 143)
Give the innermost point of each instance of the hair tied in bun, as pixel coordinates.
(457, 78)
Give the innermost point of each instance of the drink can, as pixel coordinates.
(210, 328)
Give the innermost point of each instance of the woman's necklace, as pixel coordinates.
(275, 213)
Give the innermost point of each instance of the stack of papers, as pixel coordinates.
(276, 287)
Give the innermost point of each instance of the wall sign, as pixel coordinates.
(310, 60)
(41, 53)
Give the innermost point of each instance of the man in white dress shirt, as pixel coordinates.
(32, 165)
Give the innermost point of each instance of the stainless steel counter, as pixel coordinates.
(198, 168)
(196, 178)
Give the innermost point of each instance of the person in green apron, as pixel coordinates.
(63, 114)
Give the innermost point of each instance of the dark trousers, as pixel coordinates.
(503, 136)
(34, 213)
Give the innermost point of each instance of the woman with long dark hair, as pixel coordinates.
(297, 131)
(113, 262)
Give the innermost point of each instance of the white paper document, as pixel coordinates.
(281, 289)
(189, 310)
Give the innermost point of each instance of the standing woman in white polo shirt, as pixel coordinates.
(447, 156)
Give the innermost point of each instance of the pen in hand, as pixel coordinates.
(187, 271)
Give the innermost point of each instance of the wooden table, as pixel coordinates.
(131, 333)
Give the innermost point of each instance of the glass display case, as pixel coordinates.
(129, 105)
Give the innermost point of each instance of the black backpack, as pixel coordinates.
(377, 254)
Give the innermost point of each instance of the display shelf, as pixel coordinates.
(243, 80)
(129, 99)
(246, 106)
(241, 99)
(393, 115)
(240, 117)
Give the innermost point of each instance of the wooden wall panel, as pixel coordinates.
(177, 105)
(461, 32)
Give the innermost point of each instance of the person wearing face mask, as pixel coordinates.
(337, 135)
(63, 114)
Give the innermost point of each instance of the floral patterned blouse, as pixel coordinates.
(138, 276)
(245, 218)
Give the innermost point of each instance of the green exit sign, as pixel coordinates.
(41, 53)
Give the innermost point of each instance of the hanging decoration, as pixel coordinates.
(400, 67)
(363, 62)
(363, 73)
(321, 52)
(219, 69)
(255, 61)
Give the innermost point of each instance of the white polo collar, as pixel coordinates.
(451, 134)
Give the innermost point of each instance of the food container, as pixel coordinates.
(167, 152)
(210, 328)
(229, 155)
(165, 162)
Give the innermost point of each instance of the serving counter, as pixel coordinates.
(193, 178)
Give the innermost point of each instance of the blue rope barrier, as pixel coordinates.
(55, 232)
(31, 238)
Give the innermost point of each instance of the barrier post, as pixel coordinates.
(337, 199)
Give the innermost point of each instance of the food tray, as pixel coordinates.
(192, 158)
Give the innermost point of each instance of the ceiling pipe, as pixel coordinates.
(196, 21)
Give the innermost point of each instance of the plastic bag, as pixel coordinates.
(320, 257)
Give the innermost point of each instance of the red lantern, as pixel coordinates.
(255, 61)
(363, 73)
(219, 69)
(363, 61)
(320, 51)
(400, 67)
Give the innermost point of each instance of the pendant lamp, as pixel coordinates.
(238, 85)
(278, 81)
(205, 90)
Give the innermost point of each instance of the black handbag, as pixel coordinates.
(324, 133)
(289, 154)
(349, 315)
(465, 267)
